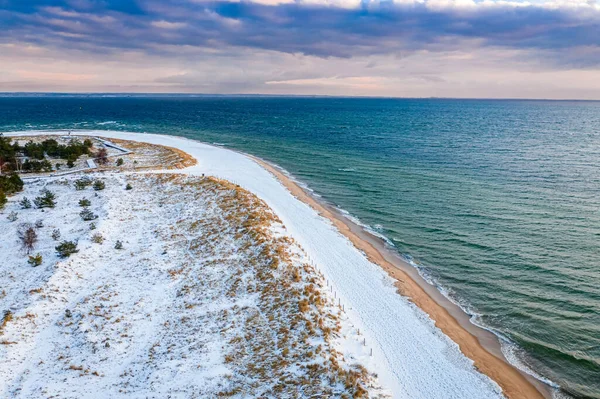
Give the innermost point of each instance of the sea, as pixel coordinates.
(496, 202)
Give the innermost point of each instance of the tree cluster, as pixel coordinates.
(8, 151)
(52, 148)
(11, 183)
(38, 151)
(36, 166)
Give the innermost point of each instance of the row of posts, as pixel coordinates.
(336, 297)
(318, 271)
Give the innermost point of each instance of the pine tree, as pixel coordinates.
(25, 203)
(46, 200)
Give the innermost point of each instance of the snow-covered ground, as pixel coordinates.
(411, 357)
(206, 298)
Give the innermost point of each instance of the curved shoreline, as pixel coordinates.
(478, 344)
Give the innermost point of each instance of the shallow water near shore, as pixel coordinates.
(496, 202)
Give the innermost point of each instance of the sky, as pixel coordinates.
(393, 48)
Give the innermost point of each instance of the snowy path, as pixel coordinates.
(412, 358)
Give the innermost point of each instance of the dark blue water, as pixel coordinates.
(497, 201)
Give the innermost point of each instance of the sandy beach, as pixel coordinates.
(410, 356)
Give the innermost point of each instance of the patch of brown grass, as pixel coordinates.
(293, 324)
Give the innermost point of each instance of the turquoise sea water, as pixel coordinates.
(498, 202)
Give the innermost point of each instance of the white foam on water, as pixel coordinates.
(374, 231)
(510, 350)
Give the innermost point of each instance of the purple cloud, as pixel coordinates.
(312, 29)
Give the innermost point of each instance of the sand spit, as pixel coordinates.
(410, 353)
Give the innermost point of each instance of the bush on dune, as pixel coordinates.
(81, 184)
(55, 234)
(25, 203)
(46, 200)
(66, 249)
(99, 185)
(87, 215)
(35, 260)
(97, 238)
(85, 202)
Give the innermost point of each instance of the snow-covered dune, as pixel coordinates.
(411, 356)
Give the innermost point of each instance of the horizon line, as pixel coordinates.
(179, 94)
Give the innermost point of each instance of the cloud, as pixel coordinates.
(300, 45)
(168, 25)
(325, 28)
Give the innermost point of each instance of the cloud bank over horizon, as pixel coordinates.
(446, 48)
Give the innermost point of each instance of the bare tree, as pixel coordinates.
(102, 156)
(27, 237)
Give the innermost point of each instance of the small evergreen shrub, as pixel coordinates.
(128, 187)
(81, 184)
(118, 245)
(13, 216)
(85, 202)
(120, 162)
(25, 203)
(70, 163)
(35, 260)
(39, 223)
(57, 166)
(92, 226)
(55, 234)
(3, 199)
(88, 215)
(99, 185)
(66, 249)
(45, 200)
